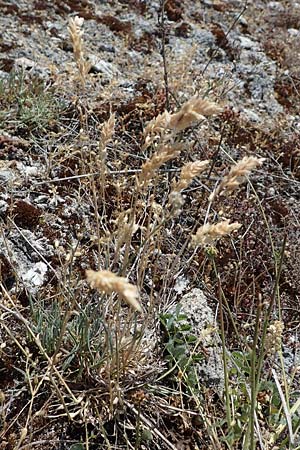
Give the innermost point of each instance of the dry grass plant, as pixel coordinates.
(95, 351)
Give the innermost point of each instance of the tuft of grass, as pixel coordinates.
(28, 105)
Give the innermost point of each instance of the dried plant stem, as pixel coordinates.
(163, 51)
(224, 351)
(268, 315)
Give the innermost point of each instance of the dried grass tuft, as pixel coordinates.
(208, 234)
(237, 175)
(76, 33)
(107, 282)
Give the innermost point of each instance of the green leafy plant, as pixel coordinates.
(180, 344)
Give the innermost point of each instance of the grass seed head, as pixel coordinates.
(188, 173)
(237, 175)
(107, 130)
(208, 234)
(107, 282)
(76, 33)
(194, 110)
(162, 155)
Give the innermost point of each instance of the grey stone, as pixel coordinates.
(107, 69)
(251, 115)
(6, 176)
(23, 250)
(247, 43)
(276, 6)
(200, 316)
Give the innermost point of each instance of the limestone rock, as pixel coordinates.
(200, 316)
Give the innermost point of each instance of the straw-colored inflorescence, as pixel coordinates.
(107, 282)
(107, 132)
(76, 33)
(188, 173)
(191, 112)
(162, 155)
(194, 110)
(237, 175)
(274, 337)
(108, 129)
(208, 234)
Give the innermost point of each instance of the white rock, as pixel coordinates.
(247, 43)
(293, 32)
(276, 6)
(108, 69)
(251, 115)
(35, 276)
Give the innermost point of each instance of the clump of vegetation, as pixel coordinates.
(28, 105)
(122, 374)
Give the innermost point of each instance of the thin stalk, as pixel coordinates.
(226, 377)
(163, 53)
(268, 314)
(253, 378)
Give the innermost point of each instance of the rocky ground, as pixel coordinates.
(244, 56)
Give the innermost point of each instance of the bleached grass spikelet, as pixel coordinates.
(237, 175)
(191, 112)
(208, 234)
(107, 282)
(76, 33)
(108, 129)
(274, 337)
(188, 173)
(162, 155)
(158, 124)
(107, 132)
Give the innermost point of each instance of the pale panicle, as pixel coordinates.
(208, 234)
(237, 175)
(107, 282)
